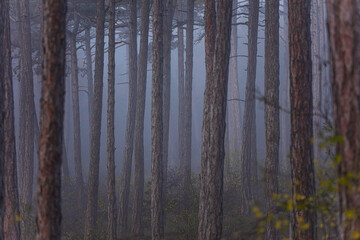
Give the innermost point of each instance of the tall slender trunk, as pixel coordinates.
(248, 153)
(213, 152)
(89, 73)
(11, 224)
(301, 148)
(181, 69)
(28, 162)
(111, 227)
(157, 205)
(130, 121)
(76, 113)
(234, 126)
(169, 7)
(272, 120)
(91, 208)
(188, 98)
(52, 115)
(344, 35)
(137, 228)
(3, 48)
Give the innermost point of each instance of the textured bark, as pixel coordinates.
(11, 225)
(90, 220)
(111, 225)
(344, 37)
(28, 162)
(157, 204)
(52, 115)
(89, 73)
(301, 148)
(130, 121)
(137, 228)
(249, 161)
(210, 32)
(3, 48)
(234, 121)
(272, 121)
(181, 85)
(76, 113)
(213, 151)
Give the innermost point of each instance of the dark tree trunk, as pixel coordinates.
(249, 161)
(344, 35)
(76, 113)
(111, 228)
(130, 121)
(210, 32)
(89, 73)
(11, 224)
(272, 120)
(181, 69)
(157, 205)
(301, 148)
(52, 115)
(186, 167)
(213, 134)
(4, 11)
(137, 228)
(90, 221)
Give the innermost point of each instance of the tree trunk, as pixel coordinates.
(234, 127)
(137, 228)
(111, 227)
(52, 115)
(210, 33)
(157, 207)
(301, 148)
(213, 132)
(344, 35)
(272, 121)
(249, 161)
(90, 221)
(76, 113)
(130, 121)
(4, 9)
(181, 85)
(186, 167)
(89, 73)
(11, 223)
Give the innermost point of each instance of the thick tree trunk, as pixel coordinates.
(210, 33)
(52, 115)
(213, 152)
(272, 121)
(234, 126)
(249, 161)
(157, 207)
(301, 148)
(344, 35)
(76, 113)
(90, 221)
(130, 121)
(11, 224)
(137, 228)
(111, 227)
(181, 85)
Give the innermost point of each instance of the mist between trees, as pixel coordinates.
(179, 119)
